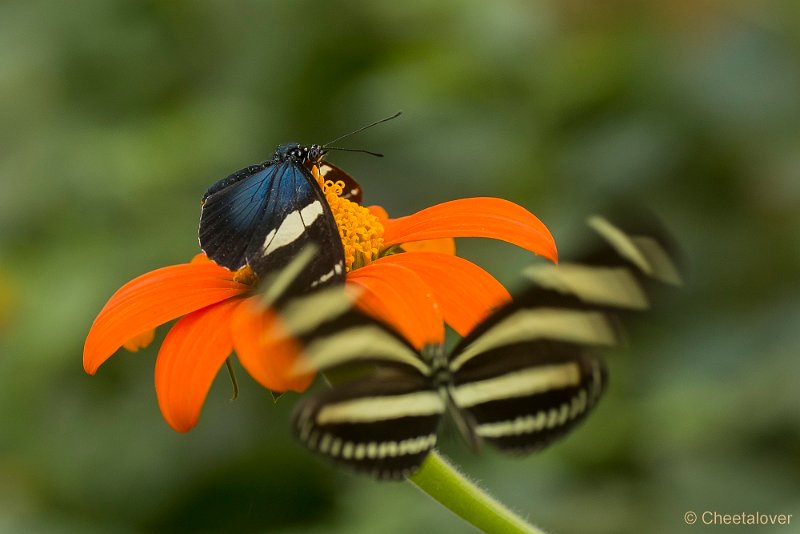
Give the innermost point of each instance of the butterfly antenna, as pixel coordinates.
(361, 130)
(376, 154)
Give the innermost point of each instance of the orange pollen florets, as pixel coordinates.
(361, 232)
(245, 276)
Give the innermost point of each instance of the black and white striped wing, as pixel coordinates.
(529, 375)
(530, 372)
(335, 335)
(382, 425)
(617, 272)
(265, 216)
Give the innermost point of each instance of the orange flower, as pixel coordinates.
(405, 271)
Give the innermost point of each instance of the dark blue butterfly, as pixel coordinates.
(264, 214)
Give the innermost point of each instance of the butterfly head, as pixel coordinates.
(301, 154)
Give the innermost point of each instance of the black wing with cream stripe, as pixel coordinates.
(336, 335)
(525, 376)
(385, 421)
(531, 371)
(527, 408)
(384, 425)
(617, 271)
(263, 215)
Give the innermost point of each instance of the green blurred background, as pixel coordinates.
(116, 116)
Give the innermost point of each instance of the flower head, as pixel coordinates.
(405, 269)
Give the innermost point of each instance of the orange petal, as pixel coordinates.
(466, 293)
(153, 299)
(264, 350)
(379, 212)
(445, 245)
(141, 341)
(189, 359)
(200, 258)
(398, 296)
(474, 217)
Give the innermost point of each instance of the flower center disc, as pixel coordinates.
(361, 232)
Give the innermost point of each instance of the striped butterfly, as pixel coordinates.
(523, 378)
(265, 214)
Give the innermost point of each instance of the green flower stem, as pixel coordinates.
(441, 480)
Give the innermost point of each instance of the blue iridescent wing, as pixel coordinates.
(264, 218)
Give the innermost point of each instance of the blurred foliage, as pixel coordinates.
(116, 115)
